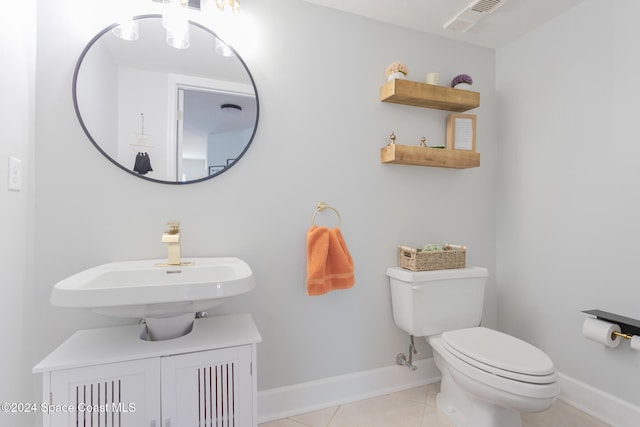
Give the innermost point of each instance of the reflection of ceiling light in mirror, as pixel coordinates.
(223, 49)
(231, 108)
(127, 30)
(228, 6)
(179, 40)
(174, 19)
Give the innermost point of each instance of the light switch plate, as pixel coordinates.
(15, 174)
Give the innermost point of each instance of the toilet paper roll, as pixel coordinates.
(635, 342)
(601, 331)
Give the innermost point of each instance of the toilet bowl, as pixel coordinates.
(488, 377)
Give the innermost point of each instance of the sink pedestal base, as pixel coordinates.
(167, 328)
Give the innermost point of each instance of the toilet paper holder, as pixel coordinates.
(628, 326)
(609, 329)
(621, 335)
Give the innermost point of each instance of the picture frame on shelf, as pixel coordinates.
(461, 132)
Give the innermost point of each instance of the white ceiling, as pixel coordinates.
(513, 19)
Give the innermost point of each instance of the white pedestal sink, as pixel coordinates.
(167, 297)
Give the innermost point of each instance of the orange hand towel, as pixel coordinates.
(329, 263)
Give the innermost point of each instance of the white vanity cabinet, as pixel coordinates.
(208, 388)
(113, 394)
(112, 378)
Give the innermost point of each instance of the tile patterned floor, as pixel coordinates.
(416, 408)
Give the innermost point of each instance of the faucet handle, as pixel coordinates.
(174, 227)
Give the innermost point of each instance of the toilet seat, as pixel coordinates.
(500, 354)
(543, 386)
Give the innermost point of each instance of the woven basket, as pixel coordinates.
(452, 256)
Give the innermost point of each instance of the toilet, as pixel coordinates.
(488, 378)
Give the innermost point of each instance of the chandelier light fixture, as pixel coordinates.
(175, 20)
(228, 6)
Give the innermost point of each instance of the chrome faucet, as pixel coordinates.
(172, 239)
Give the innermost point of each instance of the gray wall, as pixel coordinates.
(568, 177)
(17, 100)
(318, 74)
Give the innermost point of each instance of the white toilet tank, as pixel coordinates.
(428, 303)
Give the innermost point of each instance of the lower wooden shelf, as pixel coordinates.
(424, 156)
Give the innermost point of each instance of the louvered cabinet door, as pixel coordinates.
(208, 389)
(123, 394)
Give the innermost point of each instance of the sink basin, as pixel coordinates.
(142, 289)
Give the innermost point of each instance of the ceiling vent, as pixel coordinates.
(472, 14)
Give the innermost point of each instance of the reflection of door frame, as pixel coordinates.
(177, 82)
(179, 122)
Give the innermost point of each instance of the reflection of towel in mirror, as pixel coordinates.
(329, 263)
(143, 164)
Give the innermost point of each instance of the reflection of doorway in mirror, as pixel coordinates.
(205, 134)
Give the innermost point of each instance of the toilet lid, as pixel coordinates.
(494, 351)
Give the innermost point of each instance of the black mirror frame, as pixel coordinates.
(112, 160)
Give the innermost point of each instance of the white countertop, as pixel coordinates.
(91, 347)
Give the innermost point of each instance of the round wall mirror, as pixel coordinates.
(167, 115)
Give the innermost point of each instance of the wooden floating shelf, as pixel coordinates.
(424, 156)
(406, 92)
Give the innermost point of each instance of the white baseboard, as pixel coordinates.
(603, 406)
(297, 399)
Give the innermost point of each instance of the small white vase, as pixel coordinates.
(396, 75)
(463, 86)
